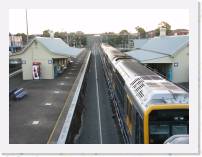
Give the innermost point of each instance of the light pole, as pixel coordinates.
(27, 26)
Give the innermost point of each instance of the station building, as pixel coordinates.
(168, 55)
(45, 58)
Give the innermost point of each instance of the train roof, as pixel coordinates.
(112, 52)
(148, 87)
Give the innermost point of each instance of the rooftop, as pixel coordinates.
(158, 47)
(58, 46)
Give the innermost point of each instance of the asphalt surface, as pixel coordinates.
(98, 125)
(32, 119)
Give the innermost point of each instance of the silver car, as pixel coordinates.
(178, 139)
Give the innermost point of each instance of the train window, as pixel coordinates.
(165, 123)
(139, 129)
(119, 90)
(179, 129)
(129, 112)
(134, 125)
(129, 116)
(120, 78)
(159, 133)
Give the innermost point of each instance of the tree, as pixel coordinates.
(124, 35)
(77, 39)
(163, 24)
(46, 33)
(141, 32)
(24, 37)
(124, 32)
(62, 35)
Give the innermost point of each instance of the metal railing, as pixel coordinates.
(15, 73)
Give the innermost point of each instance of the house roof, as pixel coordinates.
(167, 44)
(142, 55)
(138, 43)
(159, 47)
(58, 46)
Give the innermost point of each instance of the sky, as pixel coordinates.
(94, 20)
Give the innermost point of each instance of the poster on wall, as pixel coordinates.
(36, 71)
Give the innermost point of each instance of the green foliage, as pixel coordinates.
(124, 32)
(77, 39)
(24, 37)
(141, 31)
(62, 35)
(46, 33)
(116, 40)
(164, 25)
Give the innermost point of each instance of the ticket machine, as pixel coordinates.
(36, 70)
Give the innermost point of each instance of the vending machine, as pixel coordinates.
(36, 70)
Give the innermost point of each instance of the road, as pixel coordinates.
(98, 125)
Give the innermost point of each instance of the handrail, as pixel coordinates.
(15, 73)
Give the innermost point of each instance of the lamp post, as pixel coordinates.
(27, 26)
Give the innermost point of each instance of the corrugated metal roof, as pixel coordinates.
(166, 44)
(138, 43)
(59, 47)
(159, 47)
(142, 55)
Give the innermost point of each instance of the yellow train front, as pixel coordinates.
(151, 108)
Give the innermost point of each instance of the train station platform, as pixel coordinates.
(33, 118)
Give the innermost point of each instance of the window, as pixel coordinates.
(165, 123)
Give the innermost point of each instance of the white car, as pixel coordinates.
(178, 139)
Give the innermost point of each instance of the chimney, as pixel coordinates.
(51, 34)
(162, 31)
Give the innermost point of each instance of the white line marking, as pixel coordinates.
(48, 104)
(35, 122)
(98, 101)
(56, 91)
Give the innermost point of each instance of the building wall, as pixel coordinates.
(181, 72)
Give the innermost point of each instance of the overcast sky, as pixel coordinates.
(95, 21)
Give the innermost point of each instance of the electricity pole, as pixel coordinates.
(27, 26)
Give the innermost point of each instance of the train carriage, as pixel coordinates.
(152, 108)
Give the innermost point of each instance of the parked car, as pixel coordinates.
(17, 93)
(178, 139)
